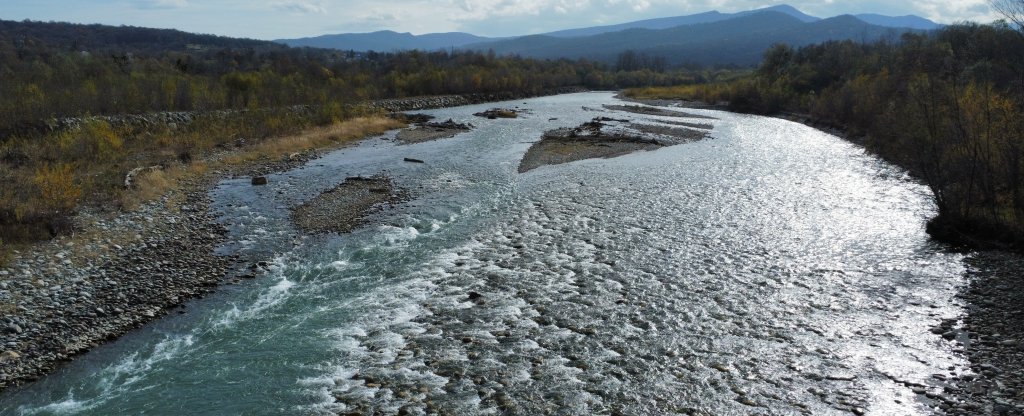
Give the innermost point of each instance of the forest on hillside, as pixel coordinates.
(60, 70)
(947, 105)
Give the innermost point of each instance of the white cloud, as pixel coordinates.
(639, 6)
(955, 11)
(301, 6)
(160, 4)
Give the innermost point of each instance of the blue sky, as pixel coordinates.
(275, 19)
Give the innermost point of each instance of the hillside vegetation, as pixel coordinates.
(948, 106)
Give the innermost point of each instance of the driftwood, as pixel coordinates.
(133, 175)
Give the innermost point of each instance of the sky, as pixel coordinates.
(279, 19)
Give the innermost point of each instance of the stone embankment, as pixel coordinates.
(445, 101)
(171, 119)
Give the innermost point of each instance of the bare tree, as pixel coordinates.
(1012, 10)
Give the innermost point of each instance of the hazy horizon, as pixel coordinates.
(277, 19)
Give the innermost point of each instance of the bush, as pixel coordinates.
(58, 192)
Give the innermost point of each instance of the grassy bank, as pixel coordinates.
(85, 167)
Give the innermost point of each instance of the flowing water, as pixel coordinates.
(770, 269)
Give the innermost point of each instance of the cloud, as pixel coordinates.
(273, 19)
(159, 4)
(953, 11)
(300, 6)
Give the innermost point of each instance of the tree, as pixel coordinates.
(1012, 10)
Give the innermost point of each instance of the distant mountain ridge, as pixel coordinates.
(737, 41)
(909, 21)
(385, 41)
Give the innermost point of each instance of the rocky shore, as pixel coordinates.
(122, 271)
(991, 335)
(65, 298)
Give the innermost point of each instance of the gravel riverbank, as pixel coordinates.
(991, 336)
(62, 299)
(121, 270)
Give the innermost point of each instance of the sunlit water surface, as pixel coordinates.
(769, 269)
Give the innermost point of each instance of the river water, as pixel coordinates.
(770, 269)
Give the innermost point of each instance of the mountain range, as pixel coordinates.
(738, 41)
(386, 41)
(710, 38)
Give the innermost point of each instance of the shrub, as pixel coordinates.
(58, 192)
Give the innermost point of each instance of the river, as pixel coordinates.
(770, 268)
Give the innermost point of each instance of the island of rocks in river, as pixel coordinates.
(605, 137)
(345, 207)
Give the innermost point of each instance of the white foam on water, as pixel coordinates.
(322, 387)
(391, 237)
(377, 334)
(119, 378)
(268, 299)
(68, 406)
(273, 296)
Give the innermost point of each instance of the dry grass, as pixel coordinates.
(169, 184)
(53, 176)
(5, 253)
(337, 134)
(708, 93)
(157, 184)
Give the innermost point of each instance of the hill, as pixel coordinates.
(909, 21)
(79, 37)
(737, 41)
